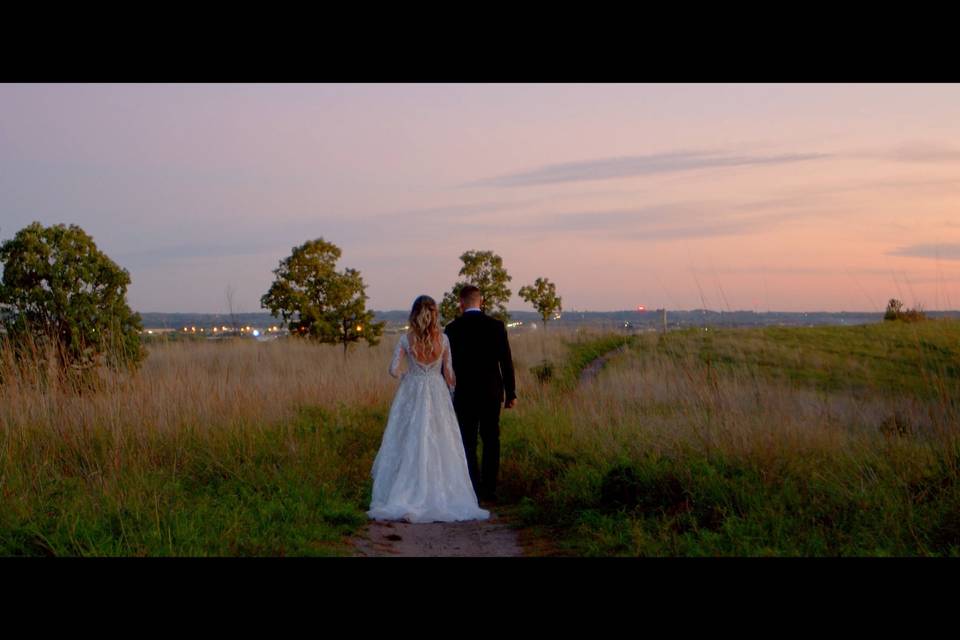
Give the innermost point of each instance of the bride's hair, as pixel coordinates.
(425, 327)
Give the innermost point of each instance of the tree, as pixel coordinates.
(543, 296)
(316, 301)
(449, 306)
(484, 270)
(59, 291)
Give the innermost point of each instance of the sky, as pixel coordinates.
(763, 197)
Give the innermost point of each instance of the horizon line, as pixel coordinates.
(227, 313)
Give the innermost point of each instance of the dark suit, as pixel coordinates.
(484, 369)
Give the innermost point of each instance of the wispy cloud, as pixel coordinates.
(622, 167)
(942, 251)
(926, 152)
(662, 221)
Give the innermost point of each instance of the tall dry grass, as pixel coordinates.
(203, 385)
(126, 463)
(240, 447)
(669, 451)
(189, 455)
(660, 401)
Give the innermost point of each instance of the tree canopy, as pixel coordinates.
(542, 294)
(484, 270)
(316, 301)
(58, 290)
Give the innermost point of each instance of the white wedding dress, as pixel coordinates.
(420, 473)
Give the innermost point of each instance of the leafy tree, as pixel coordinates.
(543, 296)
(316, 301)
(59, 291)
(484, 270)
(450, 305)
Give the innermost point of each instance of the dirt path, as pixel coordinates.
(482, 539)
(596, 365)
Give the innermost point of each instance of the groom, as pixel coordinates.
(484, 371)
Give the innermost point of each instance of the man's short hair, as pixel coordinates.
(470, 293)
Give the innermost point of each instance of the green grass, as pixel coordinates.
(693, 505)
(296, 489)
(886, 492)
(577, 468)
(583, 351)
(920, 359)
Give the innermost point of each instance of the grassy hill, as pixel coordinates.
(921, 358)
(778, 441)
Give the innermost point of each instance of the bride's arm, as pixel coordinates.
(397, 355)
(448, 374)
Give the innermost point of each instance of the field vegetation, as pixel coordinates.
(814, 441)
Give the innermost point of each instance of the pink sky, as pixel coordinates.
(765, 197)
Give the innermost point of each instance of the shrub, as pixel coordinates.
(895, 311)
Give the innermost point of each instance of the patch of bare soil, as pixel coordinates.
(481, 539)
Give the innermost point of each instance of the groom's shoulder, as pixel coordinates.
(492, 319)
(495, 324)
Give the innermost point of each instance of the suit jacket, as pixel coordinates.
(481, 359)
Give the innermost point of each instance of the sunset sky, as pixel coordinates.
(764, 197)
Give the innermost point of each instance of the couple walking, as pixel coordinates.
(451, 392)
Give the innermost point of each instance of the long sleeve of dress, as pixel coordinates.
(448, 373)
(398, 352)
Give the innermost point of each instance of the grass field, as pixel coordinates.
(822, 441)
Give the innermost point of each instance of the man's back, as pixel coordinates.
(482, 360)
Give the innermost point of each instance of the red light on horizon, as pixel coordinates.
(640, 307)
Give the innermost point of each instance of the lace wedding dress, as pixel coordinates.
(420, 473)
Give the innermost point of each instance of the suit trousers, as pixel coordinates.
(483, 419)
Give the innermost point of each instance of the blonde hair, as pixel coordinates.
(425, 328)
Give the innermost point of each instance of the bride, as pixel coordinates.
(420, 473)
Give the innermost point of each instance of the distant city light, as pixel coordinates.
(640, 307)
(255, 333)
(359, 327)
